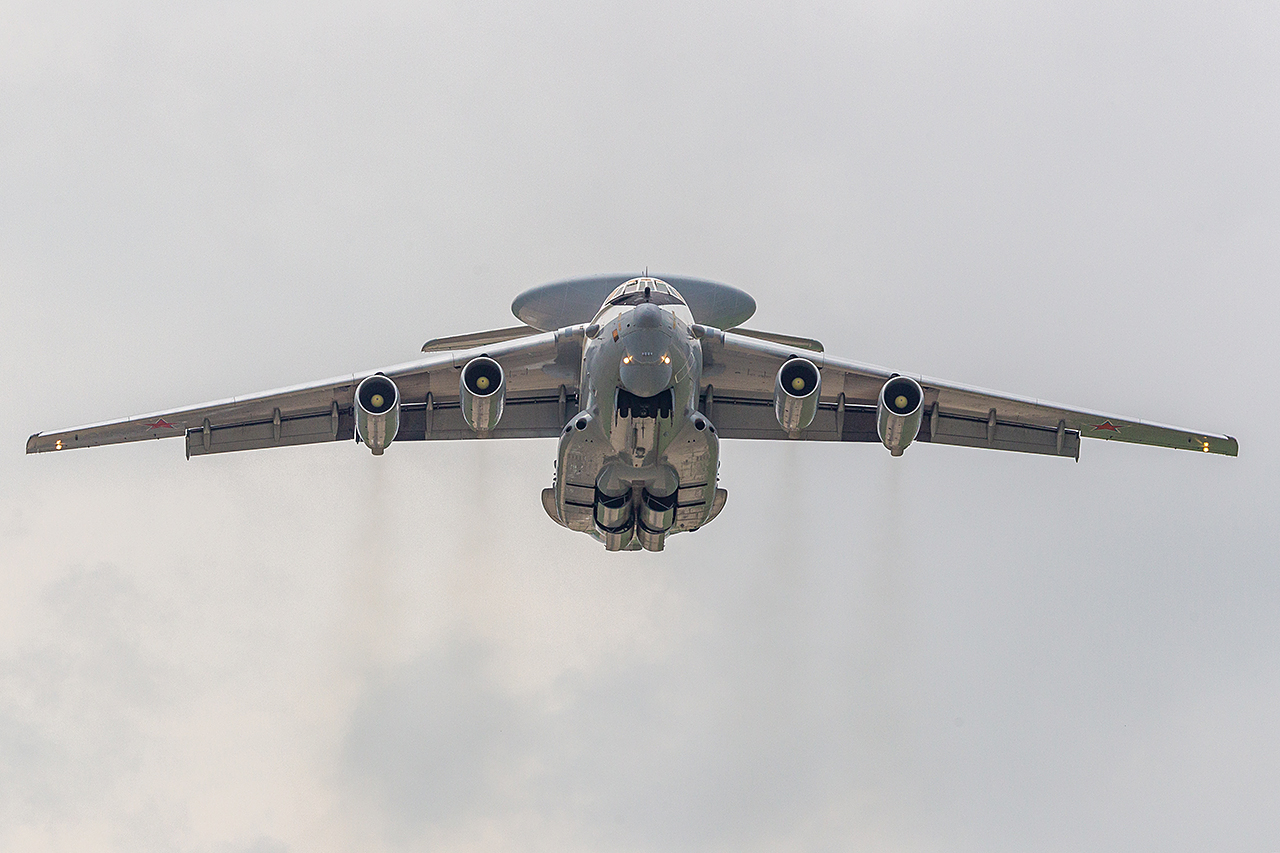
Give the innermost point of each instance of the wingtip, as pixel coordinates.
(31, 443)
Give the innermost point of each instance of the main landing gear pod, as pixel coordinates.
(614, 519)
(483, 389)
(901, 409)
(657, 513)
(377, 412)
(795, 394)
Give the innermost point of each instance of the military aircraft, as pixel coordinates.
(639, 378)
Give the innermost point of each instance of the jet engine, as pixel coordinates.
(795, 394)
(483, 389)
(377, 412)
(900, 412)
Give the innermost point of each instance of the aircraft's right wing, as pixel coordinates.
(541, 380)
(738, 398)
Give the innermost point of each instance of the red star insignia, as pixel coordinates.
(161, 423)
(1106, 426)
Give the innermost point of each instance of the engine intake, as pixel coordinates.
(483, 389)
(901, 410)
(377, 412)
(795, 394)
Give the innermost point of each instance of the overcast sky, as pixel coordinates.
(318, 650)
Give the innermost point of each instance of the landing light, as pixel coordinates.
(626, 359)
(666, 359)
(1206, 447)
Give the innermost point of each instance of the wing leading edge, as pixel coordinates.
(541, 377)
(738, 397)
(542, 374)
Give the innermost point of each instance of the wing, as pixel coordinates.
(739, 377)
(541, 377)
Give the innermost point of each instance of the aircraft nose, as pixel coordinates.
(647, 316)
(647, 346)
(645, 380)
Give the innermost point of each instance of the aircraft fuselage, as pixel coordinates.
(639, 462)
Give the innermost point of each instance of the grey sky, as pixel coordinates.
(313, 649)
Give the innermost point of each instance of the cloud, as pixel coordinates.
(955, 649)
(433, 743)
(79, 700)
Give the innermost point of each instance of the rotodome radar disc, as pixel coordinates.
(548, 307)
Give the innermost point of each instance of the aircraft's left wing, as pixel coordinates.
(541, 379)
(737, 396)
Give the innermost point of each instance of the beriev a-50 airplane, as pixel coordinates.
(640, 379)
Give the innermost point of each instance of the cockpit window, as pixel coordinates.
(640, 290)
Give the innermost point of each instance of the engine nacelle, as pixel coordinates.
(795, 394)
(377, 412)
(901, 410)
(483, 389)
